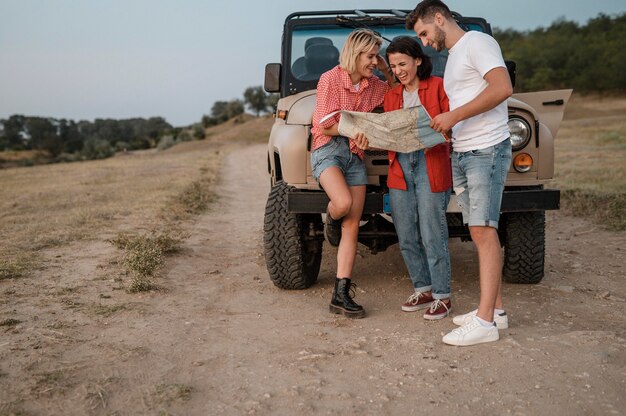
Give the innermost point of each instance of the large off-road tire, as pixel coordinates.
(524, 247)
(293, 246)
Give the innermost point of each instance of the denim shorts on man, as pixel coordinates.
(479, 177)
(337, 153)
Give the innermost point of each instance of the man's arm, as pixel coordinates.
(498, 90)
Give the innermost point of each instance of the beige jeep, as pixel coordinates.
(293, 228)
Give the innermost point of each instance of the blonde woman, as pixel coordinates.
(337, 161)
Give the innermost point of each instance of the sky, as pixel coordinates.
(88, 59)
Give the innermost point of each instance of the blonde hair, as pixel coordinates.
(359, 41)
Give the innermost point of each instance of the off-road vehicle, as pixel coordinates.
(293, 227)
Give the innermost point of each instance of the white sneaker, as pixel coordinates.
(471, 334)
(501, 320)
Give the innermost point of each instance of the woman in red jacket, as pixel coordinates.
(419, 184)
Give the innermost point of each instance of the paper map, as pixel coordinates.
(402, 131)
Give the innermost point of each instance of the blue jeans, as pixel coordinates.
(479, 177)
(419, 216)
(337, 153)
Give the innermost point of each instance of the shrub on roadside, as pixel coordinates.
(143, 256)
(15, 265)
(194, 199)
(10, 270)
(199, 133)
(184, 137)
(97, 149)
(166, 142)
(122, 146)
(68, 157)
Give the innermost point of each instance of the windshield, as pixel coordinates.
(315, 49)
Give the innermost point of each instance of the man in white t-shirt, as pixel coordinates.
(477, 84)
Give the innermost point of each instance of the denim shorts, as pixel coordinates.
(479, 177)
(337, 153)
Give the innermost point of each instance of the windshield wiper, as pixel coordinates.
(351, 22)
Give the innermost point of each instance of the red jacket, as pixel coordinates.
(435, 101)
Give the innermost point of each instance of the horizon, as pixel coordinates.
(146, 59)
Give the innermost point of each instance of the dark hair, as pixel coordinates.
(426, 10)
(411, 47)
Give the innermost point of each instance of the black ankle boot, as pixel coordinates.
(342, 302)
(332, 230)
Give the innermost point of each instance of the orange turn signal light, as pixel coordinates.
(282, 114)
(522, 162)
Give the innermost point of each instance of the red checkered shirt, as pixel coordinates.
(335, 92)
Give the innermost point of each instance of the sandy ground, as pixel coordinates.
(221, 339)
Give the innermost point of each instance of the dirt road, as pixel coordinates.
(223, 340)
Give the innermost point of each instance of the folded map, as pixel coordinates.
(403, 130)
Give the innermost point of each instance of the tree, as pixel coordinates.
(219, 111)
(70, 135)
(235, 108)
(208, 121)
(272, 101)
(225, 110)
(156, 126)
(256, 99)
(566, 55)
(13, 132)
(40, 131)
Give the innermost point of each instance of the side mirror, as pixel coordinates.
(272, 78)
(511, 67)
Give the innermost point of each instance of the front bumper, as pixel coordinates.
(513, 200)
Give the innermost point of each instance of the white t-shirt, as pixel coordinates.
(410, 99)
(474, 55)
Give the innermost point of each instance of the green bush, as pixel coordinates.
(184, 136)
(166, 142)
(198, 133)
(122, 146)
(97, 149)
(68, 157)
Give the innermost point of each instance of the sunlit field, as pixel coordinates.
(52, 205)
(590, 159)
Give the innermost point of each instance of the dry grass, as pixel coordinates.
(590, 157)
(193, 199)
(10, 322)
(144, 255)
(168, 393)
(49, 205)
(16, 265)
(15, 158)
(146, 193)
(247, 129)
(52, 205)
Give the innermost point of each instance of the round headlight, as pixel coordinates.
(520, 133)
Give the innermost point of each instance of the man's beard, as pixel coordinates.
(439, 42)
